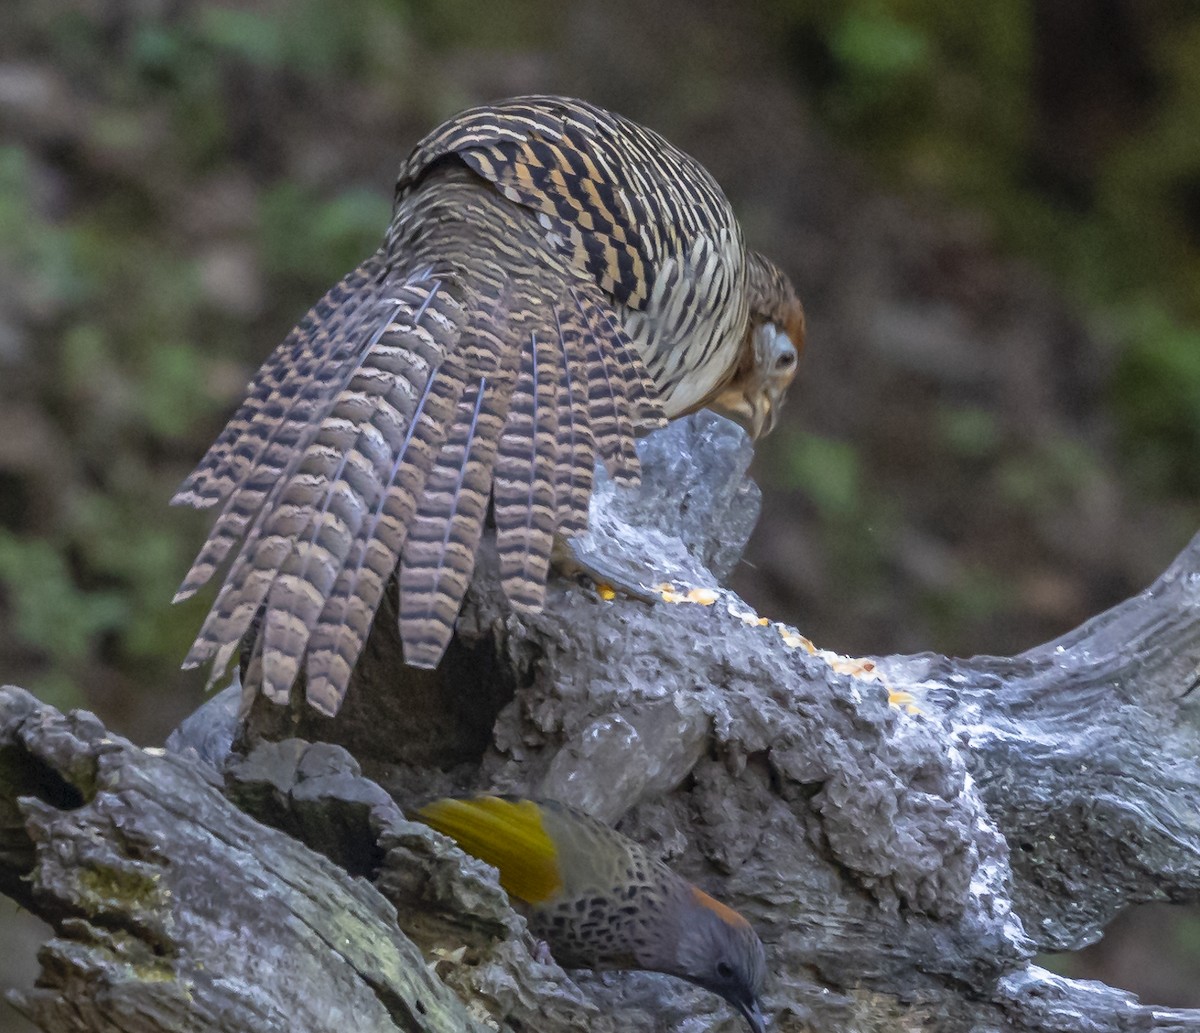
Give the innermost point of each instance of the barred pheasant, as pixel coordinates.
(555, 282)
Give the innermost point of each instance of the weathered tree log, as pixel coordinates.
(176, 911)
(903, 856)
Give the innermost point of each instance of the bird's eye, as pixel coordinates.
(724, 970)
(786, 361)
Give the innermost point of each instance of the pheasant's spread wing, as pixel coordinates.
(320, 501)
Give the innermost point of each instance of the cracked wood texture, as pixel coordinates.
(903, 863)
(174, 910)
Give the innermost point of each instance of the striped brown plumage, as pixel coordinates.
(556, 281)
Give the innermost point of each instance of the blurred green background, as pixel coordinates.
(992, 213)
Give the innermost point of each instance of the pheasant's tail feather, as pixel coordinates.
(348, 469)
(575, 464)
(345, 620)
(308, 521)
(443, 528)
(341, 465)
(523, 492)
(439, 550)
(270, 443)
(302, 353)
(608, 398)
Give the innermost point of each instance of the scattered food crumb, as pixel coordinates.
(701, 596)
(794, 639)
(852, 666)
(905, 700)
(606, 591)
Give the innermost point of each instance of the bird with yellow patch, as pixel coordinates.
(601, 901)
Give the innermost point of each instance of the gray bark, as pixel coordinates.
(903, 862)
(174, 910)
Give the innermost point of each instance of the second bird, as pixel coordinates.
(556, 281)
(599, 900)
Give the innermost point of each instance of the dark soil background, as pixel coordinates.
(993, 217)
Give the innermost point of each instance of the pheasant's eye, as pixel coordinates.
(786, 361)
(724, 970)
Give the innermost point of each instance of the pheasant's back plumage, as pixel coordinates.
(556, 280)
(642, 220)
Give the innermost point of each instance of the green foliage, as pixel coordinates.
(973, 595)
(827, 471)
(969, 432)
(860, 522)
(319, 241)
(252, 36)
(877, 46)
(943, 95)
(49, 612)
(915, 80)
(41, 256)
(1048, 478)
(1187, 941)
(316, 39)
(1157, 394)
(498, 25)
(856, 524)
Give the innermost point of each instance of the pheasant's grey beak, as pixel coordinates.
(740, 407)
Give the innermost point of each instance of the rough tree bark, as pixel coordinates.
(905, 832)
